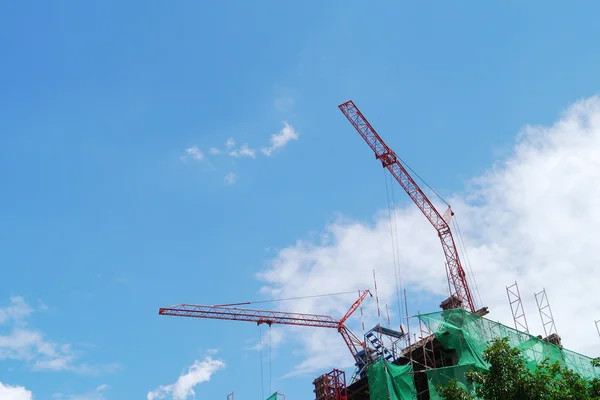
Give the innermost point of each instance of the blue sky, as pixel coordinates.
(103, 222)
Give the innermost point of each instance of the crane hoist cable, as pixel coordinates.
(245, 303)
(395, 248)
(262, 379)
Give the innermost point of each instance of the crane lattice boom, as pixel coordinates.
(246, 314)
(456, 274)
(273, 317)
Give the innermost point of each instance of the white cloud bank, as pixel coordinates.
(8, 392)
(532, 218)
(200, 371)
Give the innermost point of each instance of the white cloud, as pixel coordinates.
(8, 392)
(243, 151)
(195, 153)
(200, 371)
(16, 311)
(280, 139)
(230, 178)
(19, 342)
(28, 345)
(531, 218)
(214, 151)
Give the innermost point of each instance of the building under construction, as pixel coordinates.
(389, 363)
(454, 345)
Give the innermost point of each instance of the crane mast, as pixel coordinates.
(460, 295)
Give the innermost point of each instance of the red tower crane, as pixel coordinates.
(460, 295)
(228, 312)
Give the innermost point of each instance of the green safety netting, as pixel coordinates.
(441, 376)
(273, 396)
(469, 335)
(390, 381)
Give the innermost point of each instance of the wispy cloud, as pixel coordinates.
(97, 394)
(195, 153)
(230, 178)
(102, 369)
(277, 142)
(244, 151)
(25, 344)
(183, 388)
(8, 392)
(198, 155)
(531, 218)
(280, 139)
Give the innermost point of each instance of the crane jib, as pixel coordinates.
(271, 317)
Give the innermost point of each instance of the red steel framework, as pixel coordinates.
(274, 317)
(331, 386)
(456, 274)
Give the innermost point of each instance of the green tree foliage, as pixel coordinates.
(509, 379)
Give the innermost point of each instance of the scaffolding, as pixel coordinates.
(551, 335)
(516, 307)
